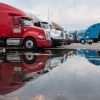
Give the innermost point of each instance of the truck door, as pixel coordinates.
(17, 30)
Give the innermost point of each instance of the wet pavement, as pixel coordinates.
(50, 75)
(94, 46)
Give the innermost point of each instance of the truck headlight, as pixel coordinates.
(48, 35)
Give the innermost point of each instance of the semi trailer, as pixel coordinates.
(17, 29)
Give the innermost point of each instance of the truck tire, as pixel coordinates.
(82, 41)
(69, 42)
(29, 43)
(53, 44)
(3, 42)
(29, 58)
(91, 41)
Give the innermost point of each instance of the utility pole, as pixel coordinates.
(48, 14)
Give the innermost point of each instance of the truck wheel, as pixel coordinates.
(82, 41)
(69, 42)
(29, 58)
(29, 43)
(91, 41)
(53, 44)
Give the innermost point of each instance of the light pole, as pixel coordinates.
(48, 14)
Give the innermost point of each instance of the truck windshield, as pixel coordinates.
(27, 22)
(37, 24)
(45, 25)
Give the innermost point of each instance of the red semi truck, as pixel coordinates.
(16, 28)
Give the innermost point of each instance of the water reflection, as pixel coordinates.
(93, 56)
(75, 79)
(19, 68)
(50, 75)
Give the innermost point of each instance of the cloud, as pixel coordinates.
(72, 14)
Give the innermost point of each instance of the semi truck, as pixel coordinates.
(91, 55)
(19, 68)
(78, 35)
(57, 34)
(17, 29)
(92, 34)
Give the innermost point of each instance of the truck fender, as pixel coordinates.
(29, 34)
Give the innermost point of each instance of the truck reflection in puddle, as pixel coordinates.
(16, 69)
(76, 79)
(92, 56)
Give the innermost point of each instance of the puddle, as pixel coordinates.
(50, 75)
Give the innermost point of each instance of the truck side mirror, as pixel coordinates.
(16, 21)
(50, 27)
(65, 31)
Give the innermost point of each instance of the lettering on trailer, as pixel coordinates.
(16, 30)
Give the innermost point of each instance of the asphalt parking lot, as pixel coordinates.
(94, 46)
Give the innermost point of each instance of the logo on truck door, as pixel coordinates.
(16, 30)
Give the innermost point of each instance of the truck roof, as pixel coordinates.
(37, 18)
(10, 9)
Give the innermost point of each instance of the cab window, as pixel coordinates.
(37, 24)
(45, 25)
(16, 21)
(27, 22)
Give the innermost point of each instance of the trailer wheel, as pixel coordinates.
(29, 43)
(82, 41)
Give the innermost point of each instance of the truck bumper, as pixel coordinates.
(59, 41)
(43, 43)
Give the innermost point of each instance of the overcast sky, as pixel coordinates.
(72, 14)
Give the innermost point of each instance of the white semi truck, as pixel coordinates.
(57, 35)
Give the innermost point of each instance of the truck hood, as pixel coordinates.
(56, 34)
(80, 38)
(33, 28)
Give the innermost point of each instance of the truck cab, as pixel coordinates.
(57, 35)
(91, 34)
(45, 26)
(16, 28)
